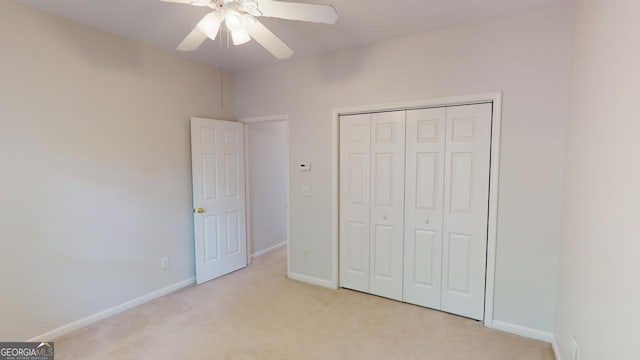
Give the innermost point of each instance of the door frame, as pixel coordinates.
(496, 128)
(262, 119)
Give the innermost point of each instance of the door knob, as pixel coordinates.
(201, 211)
(426, 221)
(384, 217)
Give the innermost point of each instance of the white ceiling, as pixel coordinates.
(361, 22)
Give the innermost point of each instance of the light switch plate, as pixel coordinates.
(306, 191)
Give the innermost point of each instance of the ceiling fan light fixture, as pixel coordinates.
(240, 37)
(234, 21)
(250, 6)
(210, 25)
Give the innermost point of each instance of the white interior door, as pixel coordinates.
(217, 152)
(466, 197)
(424, 199)
(355, 179)
(387, 203)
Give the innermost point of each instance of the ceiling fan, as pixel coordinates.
(240, 18)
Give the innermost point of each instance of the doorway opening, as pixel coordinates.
(267, 184)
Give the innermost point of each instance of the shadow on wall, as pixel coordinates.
(99, 48)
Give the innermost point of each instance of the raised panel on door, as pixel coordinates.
(211, 238)
(217, 150)
(355, 178)
(466, 205)
(387, 203)
(233, 232)
(424, 198)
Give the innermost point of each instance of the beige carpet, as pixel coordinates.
(257, 313)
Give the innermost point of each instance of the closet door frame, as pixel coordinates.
(496, 99)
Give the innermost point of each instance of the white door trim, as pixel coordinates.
(246, 122)
(496, 99)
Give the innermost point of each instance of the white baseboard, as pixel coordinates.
(268, 250)
(556, 350)
(66, 329)
(523, 331)
(313, 280)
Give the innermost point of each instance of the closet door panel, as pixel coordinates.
(424, 198)
(387, 203)
(355, 179)
(466, 203)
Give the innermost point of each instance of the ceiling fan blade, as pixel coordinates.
(210, 24)
(207, 28)
(269, 40)
(325, 14)
(193, 41)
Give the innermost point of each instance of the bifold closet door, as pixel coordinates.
(414, 205)
(355, 179)
(372, 161)
(387, 203)
(466, 199)
(424, 200)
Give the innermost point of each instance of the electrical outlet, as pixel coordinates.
(574, 347)
(165, 263)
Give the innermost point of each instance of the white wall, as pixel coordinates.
(268, 184)
(599, 286)
(526, 56)
(95, 168)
